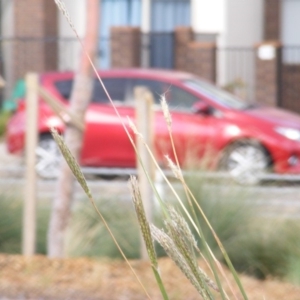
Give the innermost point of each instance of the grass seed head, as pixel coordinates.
(183, 227)
(133, 128)
(166, 112)
(176, 171)
(169, 246)
(71, 161)
(141, 215)
(62, 7)
(179, 230)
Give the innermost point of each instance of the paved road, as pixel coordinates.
(271, 200)
(281, 199)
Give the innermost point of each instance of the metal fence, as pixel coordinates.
(290, 78)
(235, 69)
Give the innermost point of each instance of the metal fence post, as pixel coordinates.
(29, 212)
(144, 121)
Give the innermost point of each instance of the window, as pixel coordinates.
(177, 98)
(116, 87)
(64, 87)
(216, 94)
(155, 87)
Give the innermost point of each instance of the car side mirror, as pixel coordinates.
(201, 107)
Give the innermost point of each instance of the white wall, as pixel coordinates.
(77, 11)
(290, 31)
(290, 23)
(244, 22)
(69, 48)
(208, 15)
(243, 28)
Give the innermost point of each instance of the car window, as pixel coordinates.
(116, 87)
(157, 88)
(64, 87)
(218, 95)
(179, 99)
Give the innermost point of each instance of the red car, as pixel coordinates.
(245, 140)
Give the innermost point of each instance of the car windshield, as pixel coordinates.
(216, 94)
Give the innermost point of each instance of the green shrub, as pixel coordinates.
(88, 236)
(226, 208)
(258, 246)
(266, 248)
(4, 117)
(11, 220)
(293, 269)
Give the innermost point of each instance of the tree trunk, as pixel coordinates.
(80, 97)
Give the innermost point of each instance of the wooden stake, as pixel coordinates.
(29, 217)
(144, 121)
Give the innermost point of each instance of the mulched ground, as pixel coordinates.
(82, 278)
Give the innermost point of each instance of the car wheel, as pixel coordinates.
(48, 158)
(246, 162)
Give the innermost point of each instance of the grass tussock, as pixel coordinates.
(11, 216)
(89, 237)
(259, 246)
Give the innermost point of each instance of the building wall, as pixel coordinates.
(244, 23)
(69, 48)
(243, 28)
(272, 19)
(290, 23)
(34, 20)
(208, 16)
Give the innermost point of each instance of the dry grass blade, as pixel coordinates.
(178, 174)
(80, 178)
(61, 6)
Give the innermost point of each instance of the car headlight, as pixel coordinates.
(290, 133)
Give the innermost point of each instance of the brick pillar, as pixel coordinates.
(268, 73)
(182, 37)
(125, 47)
(272, 19)
(34, 21)
(201, 60)
(194, 57)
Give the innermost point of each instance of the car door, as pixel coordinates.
(105, 142)
(194, 134)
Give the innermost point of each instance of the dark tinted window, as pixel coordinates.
(177, 98)
(116, 87)
(65, 87)
(180, 99)
(157, 88)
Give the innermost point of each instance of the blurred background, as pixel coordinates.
(218, 40)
